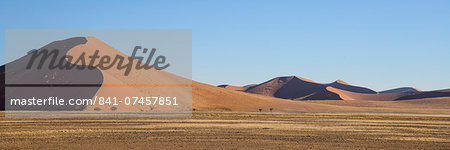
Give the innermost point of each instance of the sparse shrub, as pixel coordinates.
(113, 108)
(97, 109)
(260, 110)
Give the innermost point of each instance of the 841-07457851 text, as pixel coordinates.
(97, 100)
(149, 101)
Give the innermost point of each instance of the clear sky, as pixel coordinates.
(377, 44)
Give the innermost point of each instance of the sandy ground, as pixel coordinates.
(220, 130)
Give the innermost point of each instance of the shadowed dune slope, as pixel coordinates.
(344, 86)
(290, 87)
(322, 94)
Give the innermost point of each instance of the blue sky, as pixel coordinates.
(377, 44)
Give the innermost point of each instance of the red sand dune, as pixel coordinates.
(114, 76)
(112, 82)
(293, 87)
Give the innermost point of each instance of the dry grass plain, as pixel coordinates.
(231, 130)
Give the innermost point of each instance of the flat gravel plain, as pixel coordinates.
(225, 130)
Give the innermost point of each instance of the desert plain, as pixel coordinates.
(237, 130)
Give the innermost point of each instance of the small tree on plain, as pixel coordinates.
(260, 110)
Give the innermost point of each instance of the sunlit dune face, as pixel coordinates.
(139, 83)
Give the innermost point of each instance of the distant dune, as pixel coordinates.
(237, 88)
(347, 95)
(345, 86)
(444, 90)
(401, 90)
(297, 88)
(250, 85)
(428, 94)
(290, 87)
